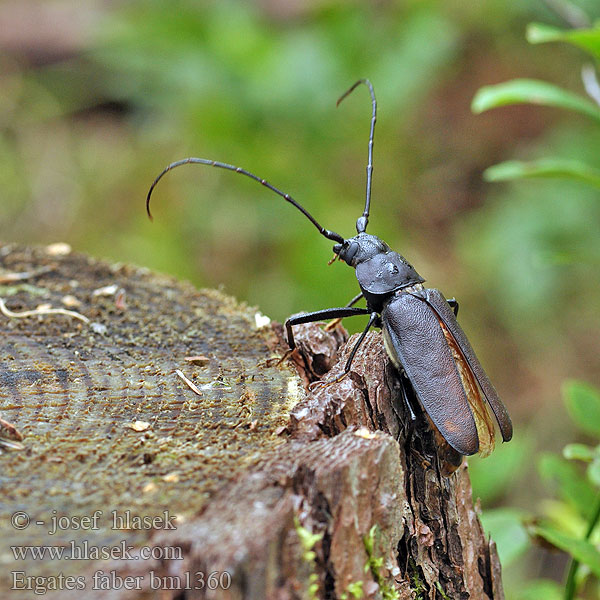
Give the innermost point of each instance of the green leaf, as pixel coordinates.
(494, 475)
(531, 91)
(564, 516)
(583, 403)
(580, 550)
(505, 527)
(546, 167)
(579, 452)
(540, 588)
(572, 485)
(593, 472)
(586, 39)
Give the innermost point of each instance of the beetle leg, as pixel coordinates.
(319, 315)
(404, 386)
(355, 299)
(374, 320)
(453, 302)
(333, 324)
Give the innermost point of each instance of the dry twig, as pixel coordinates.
(189, 383)
(41, 311)
(12, 277)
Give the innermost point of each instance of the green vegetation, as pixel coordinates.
(569, 523)
(354, 590)
(308, 541)
(374, 565)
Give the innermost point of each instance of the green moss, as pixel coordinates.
(438, 587)
(374, 565)
(308, 540)
(417, 584)
(354, 590)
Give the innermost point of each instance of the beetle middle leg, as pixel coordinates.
(406, 399)
(375, 320)
(319, 315)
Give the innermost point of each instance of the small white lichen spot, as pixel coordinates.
(261, 320)
(70, 301)
(58, 249)
(149, 488)
(99, 328)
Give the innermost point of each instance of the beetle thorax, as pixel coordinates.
(360, 248)
(380, 271)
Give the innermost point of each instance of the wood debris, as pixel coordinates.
(138, 425)
(43, 309)
(200, 360)
(58, 249)
(189, 383)
(13, 277)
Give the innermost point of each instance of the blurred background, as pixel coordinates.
(97, 96)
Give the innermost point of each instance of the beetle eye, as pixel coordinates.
(350, 253)
(337, 248)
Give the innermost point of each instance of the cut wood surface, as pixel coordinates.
(249, 486)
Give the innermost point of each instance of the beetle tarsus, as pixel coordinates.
(285, 356)
(322, 383)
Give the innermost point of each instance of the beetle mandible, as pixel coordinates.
(421, 334)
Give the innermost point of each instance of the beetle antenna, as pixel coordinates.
(331, 235)
(362, 221)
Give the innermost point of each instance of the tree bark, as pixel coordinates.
(258, 488)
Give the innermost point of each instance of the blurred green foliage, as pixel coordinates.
(571, 521)
(567, 522)
(235, 82)
(84, 133)
(563, 237)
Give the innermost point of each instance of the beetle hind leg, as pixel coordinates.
(453, 302)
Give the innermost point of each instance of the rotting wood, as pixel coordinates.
(253, 468)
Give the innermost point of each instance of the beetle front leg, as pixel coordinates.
(319, 315)
(333, 324)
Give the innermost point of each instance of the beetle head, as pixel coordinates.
(360, 248)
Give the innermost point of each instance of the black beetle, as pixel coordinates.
(420, 330)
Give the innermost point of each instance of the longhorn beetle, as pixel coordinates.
(421, 334)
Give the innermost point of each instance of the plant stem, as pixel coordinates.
(570, 584)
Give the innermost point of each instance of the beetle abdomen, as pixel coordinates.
(416, 343)
(437, 302)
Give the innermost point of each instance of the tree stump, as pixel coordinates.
(131, 484)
